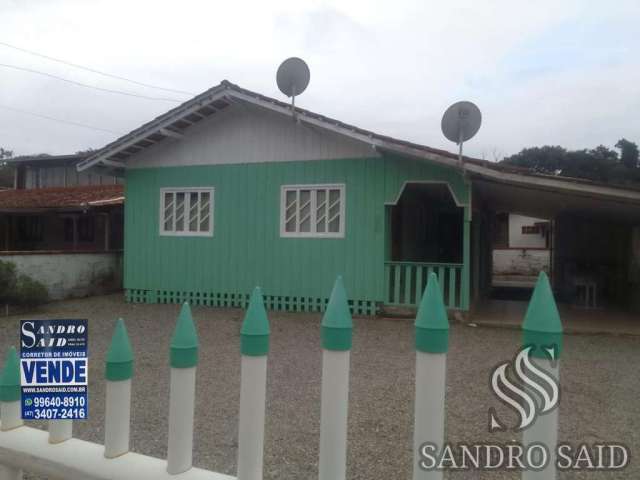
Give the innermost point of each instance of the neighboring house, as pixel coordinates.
(62, 227)
(521, 249)
(233, 189)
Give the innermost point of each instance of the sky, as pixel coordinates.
(545, 72)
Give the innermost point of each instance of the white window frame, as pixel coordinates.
(313, 234)
(186, 191)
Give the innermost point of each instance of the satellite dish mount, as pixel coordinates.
(293, 78)
(460, 122)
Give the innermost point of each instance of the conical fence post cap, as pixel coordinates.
(10, 378)
(119, 364)
(254, 334)
(542, 327)
(432, 323)
(337, 325)
(184, 343)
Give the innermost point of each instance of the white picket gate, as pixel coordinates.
(57, 455)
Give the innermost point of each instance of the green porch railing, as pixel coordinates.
(405, 282)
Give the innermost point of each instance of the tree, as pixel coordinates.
(601, 164)
(548, 159)
(6, 172)
(628, 153)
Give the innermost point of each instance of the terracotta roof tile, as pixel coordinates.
(62, 197)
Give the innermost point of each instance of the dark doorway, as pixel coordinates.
(426, 226)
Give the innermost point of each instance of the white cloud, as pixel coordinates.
(392, 68)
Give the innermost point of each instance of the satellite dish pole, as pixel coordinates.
(293, 78)
(460, 122)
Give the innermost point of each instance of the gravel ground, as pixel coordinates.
(600, 388)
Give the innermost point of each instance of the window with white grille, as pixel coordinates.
(312, 211)
(186, 211)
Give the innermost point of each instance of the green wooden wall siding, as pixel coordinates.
(247, 250)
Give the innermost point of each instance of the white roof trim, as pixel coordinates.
(554, 183)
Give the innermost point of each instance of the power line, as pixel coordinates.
(80, 84)
(68, 122)
(92, 70)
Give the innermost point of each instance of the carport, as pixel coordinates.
(595, 239)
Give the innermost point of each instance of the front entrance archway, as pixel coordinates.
(425, 233)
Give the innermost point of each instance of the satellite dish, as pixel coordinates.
(460, 122)
(293, 78)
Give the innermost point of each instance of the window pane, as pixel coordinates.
(334, 211)
(321, 211)
(180, 212)
(290, 210)
(204, 211)
(305, 211)
(168, 211)
(193, 211)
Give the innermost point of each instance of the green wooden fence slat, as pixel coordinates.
(452, 288)
(387, 283)
(396, 284)
(419, 273)
(407, 284)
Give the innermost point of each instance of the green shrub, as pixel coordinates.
(20, 289)
(29, 292)
(8, 280)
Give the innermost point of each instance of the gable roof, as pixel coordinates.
(174, 122)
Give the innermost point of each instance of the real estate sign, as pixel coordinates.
(54, 369)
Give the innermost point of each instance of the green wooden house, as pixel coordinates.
(233, 189)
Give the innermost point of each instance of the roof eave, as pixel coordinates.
(556, 183)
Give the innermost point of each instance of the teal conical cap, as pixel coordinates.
(119, 364)
(542, 327)
(254, 334)
(184, 343)
(10, 378)
(432, 324)
(337, 325)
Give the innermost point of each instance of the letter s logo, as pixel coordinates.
(28, 333)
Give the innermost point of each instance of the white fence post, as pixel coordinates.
(432, 344)
(10, 414)
(118, 373)
(542, 330)
(337, 329)
(60, 430)
(184, 358)
(254, 346)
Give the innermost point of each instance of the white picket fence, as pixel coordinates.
(55, 454)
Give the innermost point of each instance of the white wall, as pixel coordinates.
(520, 261)
(68, 275)
(519, 240)
(249, 134)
